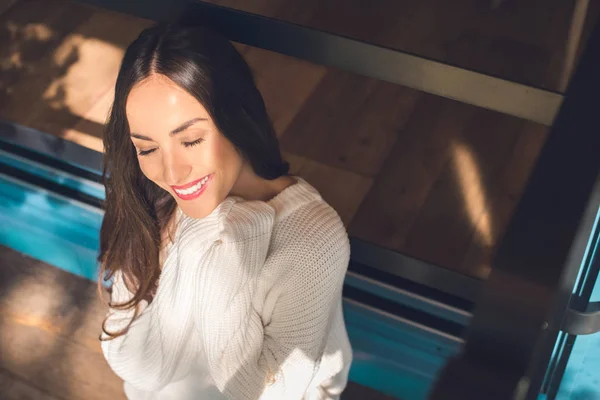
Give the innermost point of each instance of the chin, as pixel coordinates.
(196, 211)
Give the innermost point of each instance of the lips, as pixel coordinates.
(188, 186)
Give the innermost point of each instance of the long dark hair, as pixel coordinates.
(209, 68)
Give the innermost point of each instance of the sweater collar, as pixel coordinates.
(293, 196)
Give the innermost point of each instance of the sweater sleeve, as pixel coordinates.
(148, 354)
(158, 348)
(118, 351)
(250, 359)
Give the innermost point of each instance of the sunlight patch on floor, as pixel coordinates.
(472, 187)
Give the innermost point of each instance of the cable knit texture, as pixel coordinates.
(248, 306)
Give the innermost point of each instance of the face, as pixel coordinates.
(179, 148)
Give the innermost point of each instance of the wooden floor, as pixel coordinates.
(49, 349)
(415, 173)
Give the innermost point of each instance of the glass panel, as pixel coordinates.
(582, 374)
(574, 371)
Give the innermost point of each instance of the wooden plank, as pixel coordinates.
(458, 205)
(50, 322)
(37, 29)
(504, 195)
(49, 299)
(32, 31)
(356, 136)
(347, 193)
(500, 56)
(6, 381)
(528, 42)
(410, 171)
(99, 45)
(338, 96)
(284, 82)
(14, 388)
(88, 131)
(57, 365)
(102, 51)
(64, 95)
(5, 5)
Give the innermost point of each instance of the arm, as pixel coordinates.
(278, 361)
(119, 351)
(148, 354)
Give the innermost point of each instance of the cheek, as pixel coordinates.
(150, 169)
(224, 157)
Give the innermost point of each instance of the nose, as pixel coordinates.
(175, 170)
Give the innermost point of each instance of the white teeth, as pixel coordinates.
(193, 188)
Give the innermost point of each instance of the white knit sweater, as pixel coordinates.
(249, 306)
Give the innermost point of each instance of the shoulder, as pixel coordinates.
(315, 221)
(311, 251)
(246, 220)
(313, 234)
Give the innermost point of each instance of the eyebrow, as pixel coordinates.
(174, 132)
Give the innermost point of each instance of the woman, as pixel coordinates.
(227, 270)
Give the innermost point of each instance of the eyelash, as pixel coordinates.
(186, 144)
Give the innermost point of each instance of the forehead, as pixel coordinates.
(158, 100)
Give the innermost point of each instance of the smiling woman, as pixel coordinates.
(227, 271)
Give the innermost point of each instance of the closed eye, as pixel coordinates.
(186, 144)
(195, 142)
(145, 152)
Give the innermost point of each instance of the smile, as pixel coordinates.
(193, 189)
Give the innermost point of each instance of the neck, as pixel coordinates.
(250, 186)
